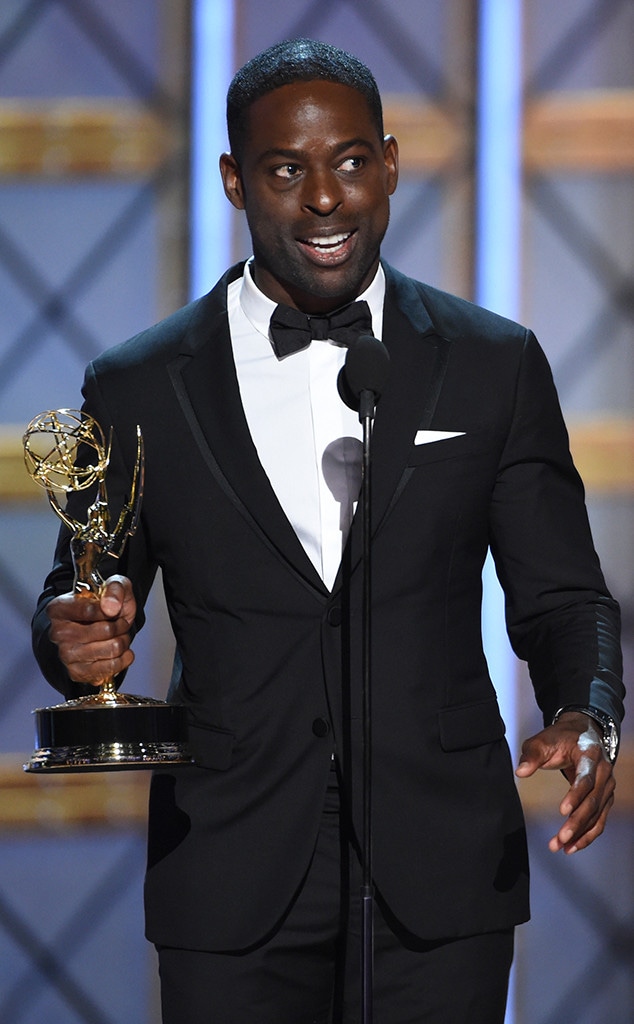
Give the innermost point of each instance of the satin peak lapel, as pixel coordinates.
(206, 384)
(418, 364)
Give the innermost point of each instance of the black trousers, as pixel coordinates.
(309, 970)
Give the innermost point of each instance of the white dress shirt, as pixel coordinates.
(308, 441)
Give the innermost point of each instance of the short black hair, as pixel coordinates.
(295, 60)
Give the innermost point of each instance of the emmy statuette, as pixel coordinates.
(107, 730)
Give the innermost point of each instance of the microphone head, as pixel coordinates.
(366, 368)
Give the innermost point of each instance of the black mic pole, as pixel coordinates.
(360, 383)
(366, 416)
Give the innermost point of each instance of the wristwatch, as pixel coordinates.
(610, 736)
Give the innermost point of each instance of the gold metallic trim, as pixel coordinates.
(15, 482)
(603, 450)
(56, 802)
(76, 137)
(589, 131)
(431, 137)
(35, 802)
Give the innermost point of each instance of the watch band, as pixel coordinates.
(609, 729)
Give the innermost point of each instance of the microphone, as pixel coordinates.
(364, 374)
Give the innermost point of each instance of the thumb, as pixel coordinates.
(525, 767)
(116, 593)
(531, 758)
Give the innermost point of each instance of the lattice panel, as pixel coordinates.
(93, 171)
(575, 960)
(92, 151)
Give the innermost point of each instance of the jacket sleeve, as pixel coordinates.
(560, 615)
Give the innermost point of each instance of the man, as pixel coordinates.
(252, 470)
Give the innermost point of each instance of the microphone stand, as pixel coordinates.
(366, 416)
(360, 383)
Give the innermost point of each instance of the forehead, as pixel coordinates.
(305, 113)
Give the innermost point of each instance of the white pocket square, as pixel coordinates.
(427, 436)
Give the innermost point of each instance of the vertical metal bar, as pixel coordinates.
(367, 895)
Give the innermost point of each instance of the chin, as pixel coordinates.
(326, 283)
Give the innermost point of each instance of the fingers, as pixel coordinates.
(561, 746)
(93, 663)
(118, 599)
(586, 807)
(573, 746)
(545, 750)
(93, 634)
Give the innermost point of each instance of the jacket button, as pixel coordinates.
(321, 727)
(334, 615)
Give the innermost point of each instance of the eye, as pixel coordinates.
(352, 163)
(286, 171)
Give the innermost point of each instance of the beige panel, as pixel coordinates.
(41, 802)
(72, 137)
(15, 482)
(91, 799)
(603, 451)
(430, 138)
(590, 131)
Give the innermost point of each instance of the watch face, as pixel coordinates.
(611, 741)
(610, 735)
(608, 726)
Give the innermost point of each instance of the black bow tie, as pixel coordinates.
(292, 330)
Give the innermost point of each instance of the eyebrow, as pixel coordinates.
(297, 154)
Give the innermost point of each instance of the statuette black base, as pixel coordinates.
(109, 733)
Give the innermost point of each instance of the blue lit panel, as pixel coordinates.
(497, 269)
(497, 252)
(211, 73)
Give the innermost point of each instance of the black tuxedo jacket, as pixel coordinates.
(270, 660)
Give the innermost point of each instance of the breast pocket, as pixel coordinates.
(448, 448)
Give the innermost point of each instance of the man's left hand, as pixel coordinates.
(573, 745)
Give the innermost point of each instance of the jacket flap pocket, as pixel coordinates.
(211, 748)
(470, 725)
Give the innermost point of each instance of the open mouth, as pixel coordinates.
(329, 248)
(328, 244)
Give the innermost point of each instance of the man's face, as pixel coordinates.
(314, 181)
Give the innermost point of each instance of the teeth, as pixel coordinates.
(326, 243)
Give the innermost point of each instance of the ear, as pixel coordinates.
(390, 156)
(232, 180)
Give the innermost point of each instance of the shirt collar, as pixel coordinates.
(257, 307)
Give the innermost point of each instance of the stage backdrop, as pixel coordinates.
(94, 198)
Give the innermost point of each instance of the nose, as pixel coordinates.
(322, 193)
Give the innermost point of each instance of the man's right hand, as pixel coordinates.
(93, 634)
